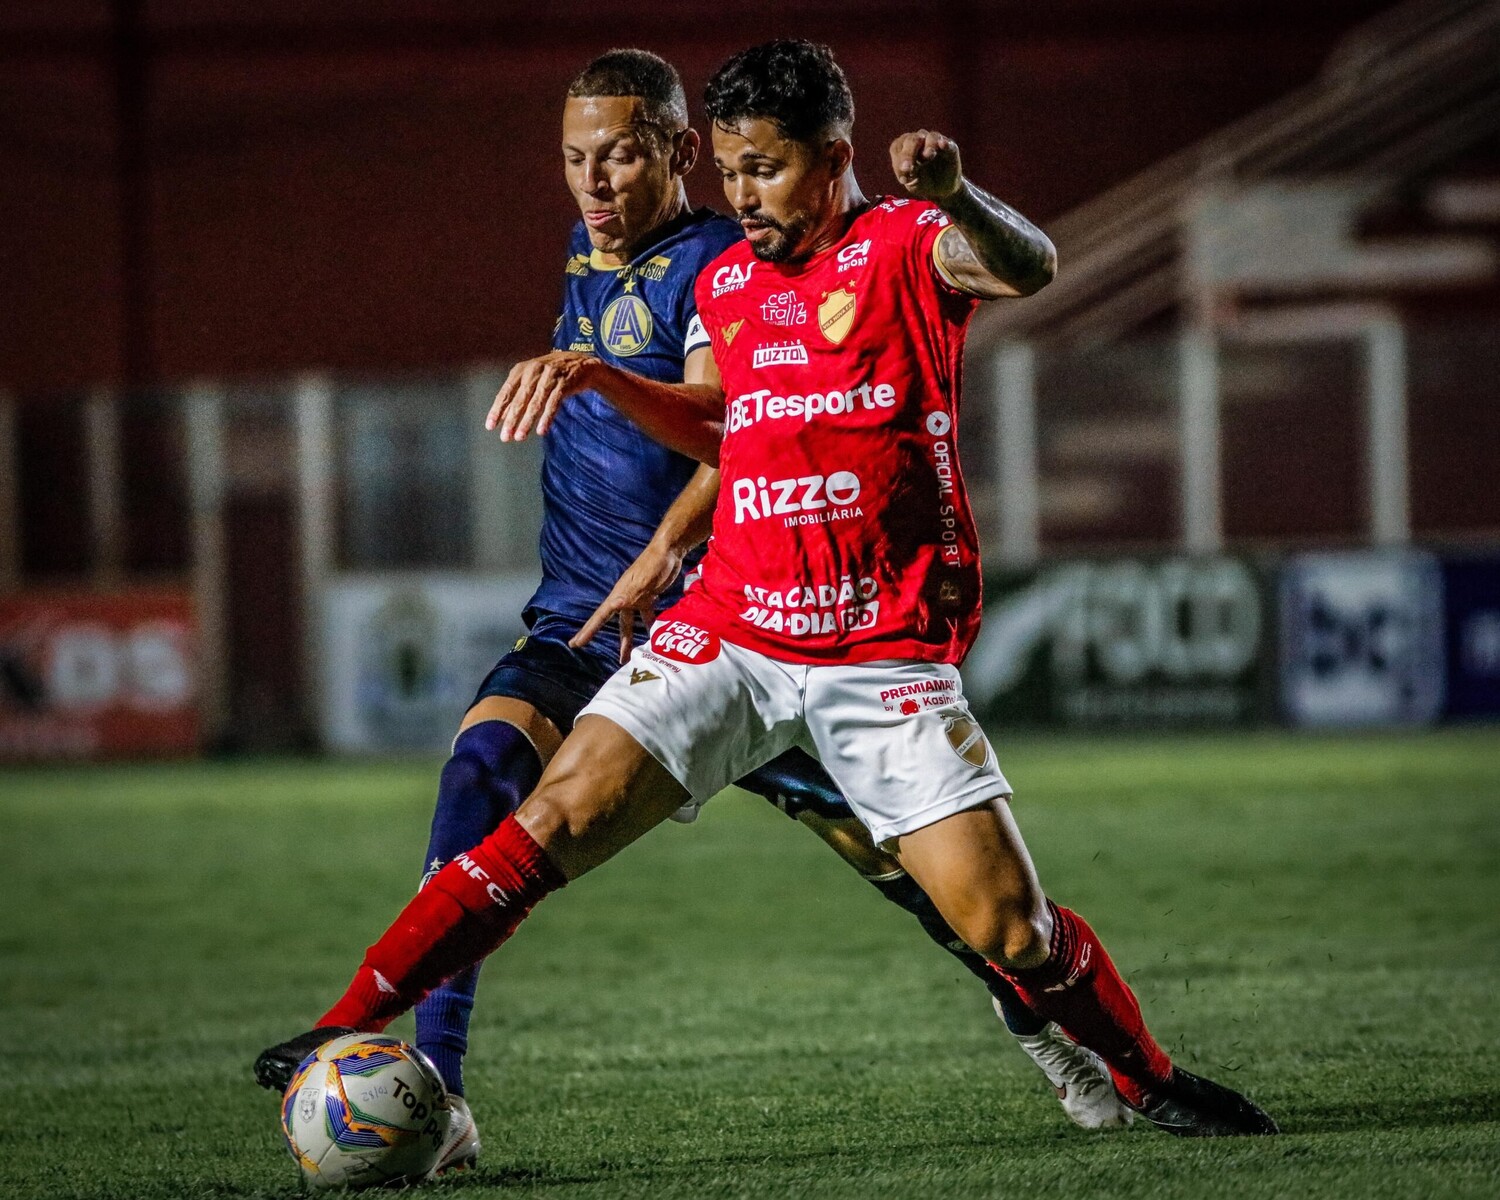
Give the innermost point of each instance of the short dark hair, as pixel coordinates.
(637, 73)
(796, 85)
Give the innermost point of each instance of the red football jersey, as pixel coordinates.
(843, 531)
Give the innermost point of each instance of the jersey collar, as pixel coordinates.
(662, 233)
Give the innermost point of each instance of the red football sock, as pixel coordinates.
(1079, 988)
(463, 913)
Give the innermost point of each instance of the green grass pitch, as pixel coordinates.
(727, 1011)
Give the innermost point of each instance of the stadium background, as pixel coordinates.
(263, 266)
(265, 262)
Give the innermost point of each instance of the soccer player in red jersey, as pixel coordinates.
(621, 517)
(840, 590)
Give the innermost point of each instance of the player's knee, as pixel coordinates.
(490, 771)
(567, 805)
(553, 814)
(1014, 932)
(1028, 940)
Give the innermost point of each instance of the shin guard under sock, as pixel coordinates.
(902, 890)
(1079, 988)
(467, 910)
(492, 769)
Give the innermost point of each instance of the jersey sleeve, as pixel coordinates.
(699, 300)
(690, 321)
(916, 225)
(696, 332)
(685, 315)
(561, 334)
(565, 330)
(694, 335)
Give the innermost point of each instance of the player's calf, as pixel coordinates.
(1077, 986)
(976, 868)
(493, 768)
(467, 910)
(1078, 1076)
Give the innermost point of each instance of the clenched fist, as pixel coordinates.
(926, 165)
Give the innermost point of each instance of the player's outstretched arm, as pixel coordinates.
(686, 525)
(990, 250)
(688, 417)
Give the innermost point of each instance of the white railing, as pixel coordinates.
(1404, 92)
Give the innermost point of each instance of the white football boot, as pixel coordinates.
(461, 1147)
(1078, 1076)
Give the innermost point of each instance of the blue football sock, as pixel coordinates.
(493, 768)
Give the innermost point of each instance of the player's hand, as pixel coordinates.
(927, 165)
(531, 393)
(634, 596)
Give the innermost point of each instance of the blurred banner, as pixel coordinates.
(1362, 639)
(98, 675)
(1338, 639)
(403, 655)
(1471, 596)
(1129, 642)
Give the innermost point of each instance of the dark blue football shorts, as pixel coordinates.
(558, 681)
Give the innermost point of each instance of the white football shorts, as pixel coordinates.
(897, 737)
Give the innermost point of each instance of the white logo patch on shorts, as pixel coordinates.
(966, 738)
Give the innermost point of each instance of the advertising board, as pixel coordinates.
(403, 655)
(1471, 600)
(87, 675)
(1362, 638)
(1128, 642)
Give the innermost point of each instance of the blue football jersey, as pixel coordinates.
(605, 484)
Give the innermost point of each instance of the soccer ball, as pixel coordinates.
(365, 1110)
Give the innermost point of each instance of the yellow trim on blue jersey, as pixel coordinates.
(654, 268)
(596, 260)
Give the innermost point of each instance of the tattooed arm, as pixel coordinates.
(990, 250)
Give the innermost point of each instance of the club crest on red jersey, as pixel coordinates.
(685, 643)
(836, 315)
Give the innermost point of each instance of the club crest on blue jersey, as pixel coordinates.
(627, 326)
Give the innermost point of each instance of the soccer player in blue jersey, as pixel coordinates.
(622, 518)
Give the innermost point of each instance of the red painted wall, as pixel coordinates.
(227, 187)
